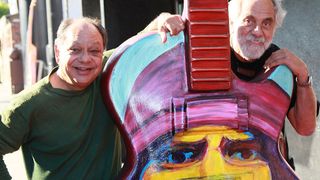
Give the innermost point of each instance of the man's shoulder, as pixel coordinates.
(30, 93)
(106, 55)
(273, 47)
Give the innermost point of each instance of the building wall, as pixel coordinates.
(11, 73)
(125, 18)
(91, 8)
(40, 32)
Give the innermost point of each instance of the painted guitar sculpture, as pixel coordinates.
(182, 112)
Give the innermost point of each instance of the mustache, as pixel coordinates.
(251, 37)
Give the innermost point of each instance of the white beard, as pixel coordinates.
(251, 51)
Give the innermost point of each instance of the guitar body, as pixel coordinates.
(184, 115)
(146, 89)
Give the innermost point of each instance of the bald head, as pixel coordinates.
(70, 23)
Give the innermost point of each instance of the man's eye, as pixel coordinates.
(95, 51)
(267, 24)
(248, 22)
(74, 50)
(180, 157)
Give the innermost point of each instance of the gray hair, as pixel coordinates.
(235, 9)
(65, 24)
(280, 12)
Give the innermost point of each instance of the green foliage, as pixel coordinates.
(4, 9)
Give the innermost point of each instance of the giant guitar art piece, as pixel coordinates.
(182, 112)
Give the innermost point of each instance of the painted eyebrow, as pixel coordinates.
(186, 144)
(228, 145)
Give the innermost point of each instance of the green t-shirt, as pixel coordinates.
(63, 134)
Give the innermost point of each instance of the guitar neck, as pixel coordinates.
(208, 47)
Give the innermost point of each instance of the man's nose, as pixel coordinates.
(85, 57)
(257, 31)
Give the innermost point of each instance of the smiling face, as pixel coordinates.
(211, 152)
(251, 32)
(79, 56)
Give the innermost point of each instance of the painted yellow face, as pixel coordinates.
(226, 154)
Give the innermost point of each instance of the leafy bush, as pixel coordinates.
(4, 9)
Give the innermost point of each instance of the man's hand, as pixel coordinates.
(303, 115)
(294, 63)
(169, 23)
(164, 23)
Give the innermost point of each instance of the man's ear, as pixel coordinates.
(56, 53)
(231, 23)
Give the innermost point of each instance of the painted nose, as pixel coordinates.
(213, 163)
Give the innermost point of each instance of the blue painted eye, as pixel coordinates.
(179, 157)
(244, 155)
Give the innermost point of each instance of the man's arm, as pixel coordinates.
(303, 115)
(13, 130)
(4, 174)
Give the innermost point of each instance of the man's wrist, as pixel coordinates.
(304, 83)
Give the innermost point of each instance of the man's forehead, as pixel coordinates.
(79, 26)
(81, 29)
(260, 8)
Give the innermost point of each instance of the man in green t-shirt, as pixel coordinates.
(61, 122)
